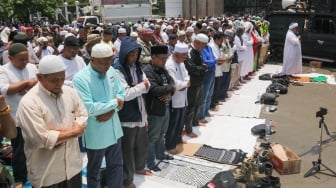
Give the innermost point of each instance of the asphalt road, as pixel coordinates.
(297, 127)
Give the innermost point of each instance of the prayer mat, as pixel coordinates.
(220, 155)
(187, 172)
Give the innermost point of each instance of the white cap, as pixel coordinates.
(101, 50)
(190, 29)
(293, 25)
(202, 38)
(42, 39)
(121, 30)
(181, 33)
(63, 33)
(69, 34)
(169, 27)
(134, 34)
(51, 64)
(181, 48)
(204, 25)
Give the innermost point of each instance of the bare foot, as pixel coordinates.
(144, 172)
(132, 185)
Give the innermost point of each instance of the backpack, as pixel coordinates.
(268, 99)
(223, 179)
(273, 87)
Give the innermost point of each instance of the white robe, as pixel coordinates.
(292, 58)
(248, 56)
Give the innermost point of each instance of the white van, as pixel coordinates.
(83, 20)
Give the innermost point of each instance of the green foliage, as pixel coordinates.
(20, 9)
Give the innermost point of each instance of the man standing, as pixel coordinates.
(158, 104)
(102, 92)
(196, 69)
(145, 43)
(133, 116)
(16, 79)
(72, 61)
(51, 117)
(292, 58)
(176, 69)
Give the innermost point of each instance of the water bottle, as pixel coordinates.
(268, 130)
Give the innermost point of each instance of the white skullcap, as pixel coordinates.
(69, 34)
(101, 50)
(169, 27)
(51, 64)
(181, 48)
(293, 25)
(121, 30)
(202, 38)
(42, 39)
(190, 29)
(134, 34)
(63, 33)
(181, 33)
(204, 25)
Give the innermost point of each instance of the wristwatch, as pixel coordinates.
(6, 111)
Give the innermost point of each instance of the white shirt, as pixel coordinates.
(11, 75)
(132, 93)
(217, 53)
(180, 76)
(39, 115)
(117, 45)
(72, 67)
(48, 51)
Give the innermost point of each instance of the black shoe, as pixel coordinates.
(155, 168)
(167, 157)
(275, 181)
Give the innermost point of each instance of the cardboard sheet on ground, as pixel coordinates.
(190, 149)
(228, 133)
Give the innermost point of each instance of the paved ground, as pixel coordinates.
(297, 128)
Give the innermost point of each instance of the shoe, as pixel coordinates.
(167, 157)
(192, 135)
(265, 182)
(155, 168)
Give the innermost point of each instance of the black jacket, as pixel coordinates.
(130, 112)
(195, 66)
(154, 105)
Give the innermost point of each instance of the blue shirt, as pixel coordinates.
(99, 96)
(209, 58)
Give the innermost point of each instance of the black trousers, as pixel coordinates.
(74, 182)
(175, 127)
(134, 149)
(195, 100)
(19, 158)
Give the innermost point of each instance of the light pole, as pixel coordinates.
(77, 11)
(66, 11)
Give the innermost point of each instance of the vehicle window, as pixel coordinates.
(323, 26)
(91, 21)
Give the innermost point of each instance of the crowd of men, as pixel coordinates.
(128, 92)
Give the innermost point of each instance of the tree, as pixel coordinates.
(20, 9)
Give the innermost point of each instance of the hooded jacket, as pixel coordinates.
(130, 111)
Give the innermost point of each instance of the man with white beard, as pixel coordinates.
(292, 58)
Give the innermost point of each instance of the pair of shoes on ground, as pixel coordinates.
(265, 182)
